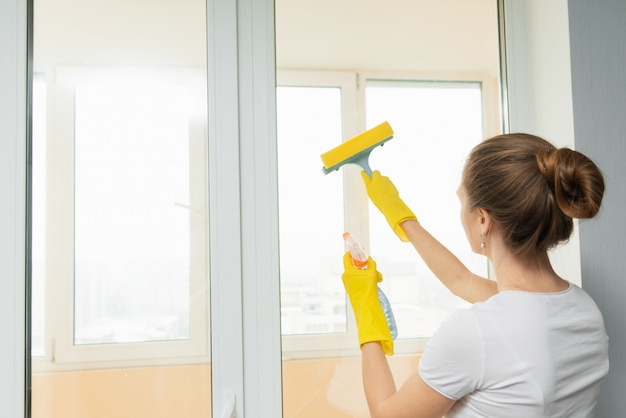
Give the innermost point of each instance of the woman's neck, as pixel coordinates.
(528, 274)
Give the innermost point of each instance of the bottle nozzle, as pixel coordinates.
(359, 257)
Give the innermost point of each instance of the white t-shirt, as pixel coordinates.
(520, 354)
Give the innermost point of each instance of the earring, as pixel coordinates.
(483, 244)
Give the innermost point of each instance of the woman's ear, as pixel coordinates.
(485, 221)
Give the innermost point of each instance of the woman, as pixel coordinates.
(532, 344)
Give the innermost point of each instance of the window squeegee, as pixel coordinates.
(357, 149)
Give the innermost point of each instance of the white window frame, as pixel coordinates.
(245, 289)
(14, 103)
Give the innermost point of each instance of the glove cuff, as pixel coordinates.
(398, 229)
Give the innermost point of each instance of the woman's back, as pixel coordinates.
(521, 354)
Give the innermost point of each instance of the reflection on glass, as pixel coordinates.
(311, 212)
(436, 125)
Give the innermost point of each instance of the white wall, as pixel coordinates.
(429, 36)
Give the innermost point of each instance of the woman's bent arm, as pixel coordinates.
(447, 267)
(415, 399)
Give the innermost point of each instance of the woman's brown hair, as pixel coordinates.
(531, 189)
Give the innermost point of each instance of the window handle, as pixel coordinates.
(228, 411)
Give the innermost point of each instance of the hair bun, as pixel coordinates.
(576, 181)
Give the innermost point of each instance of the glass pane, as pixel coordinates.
(390, 41)
(435, 126)
(131, 187)
(312, 299)
(120, 210)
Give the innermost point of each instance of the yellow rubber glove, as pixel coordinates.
(386, 198)
(362, 289)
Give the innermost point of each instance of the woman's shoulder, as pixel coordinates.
(462, 325)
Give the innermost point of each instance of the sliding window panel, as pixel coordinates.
(120, 250)
(401, 43)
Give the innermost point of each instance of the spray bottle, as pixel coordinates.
(360, 261)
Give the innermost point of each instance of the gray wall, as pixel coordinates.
(598, 58)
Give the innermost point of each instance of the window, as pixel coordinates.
(123, 212)
(436, 123)
(132, 221)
